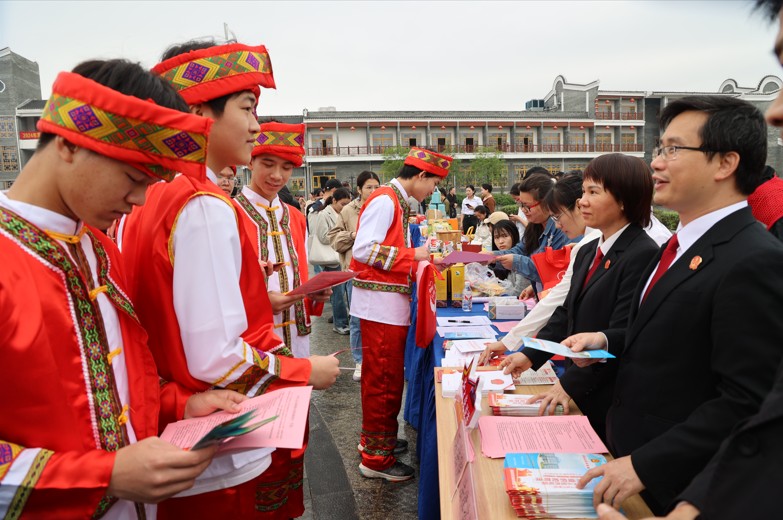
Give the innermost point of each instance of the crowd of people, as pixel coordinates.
(141, 286)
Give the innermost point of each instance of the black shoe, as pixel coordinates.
(396, 473)
(400, 448)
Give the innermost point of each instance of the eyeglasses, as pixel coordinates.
(557, 217)
(669, 153)
(226, 179)
(527, 208)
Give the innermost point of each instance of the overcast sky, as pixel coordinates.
(471, 55)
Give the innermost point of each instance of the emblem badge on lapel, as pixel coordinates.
(607, 264)
(695, 263)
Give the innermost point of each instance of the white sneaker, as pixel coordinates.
(357, 372)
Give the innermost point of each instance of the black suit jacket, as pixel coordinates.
(603, 304)
(742, 479)
(700, 354)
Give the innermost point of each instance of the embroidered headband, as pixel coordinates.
(156, 140)
(428, 161)
(207, 74)
(282, 140)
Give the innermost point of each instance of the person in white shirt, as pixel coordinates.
(386, 263)
(469, 204)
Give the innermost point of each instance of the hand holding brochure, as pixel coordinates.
(289, 405)
(235, 427)
(562, 350)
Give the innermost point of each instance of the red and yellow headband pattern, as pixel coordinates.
(156, 140)
(207, 74)
(428, 161)
(283, 140)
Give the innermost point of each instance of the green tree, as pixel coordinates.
(393, 159)
(489, 166)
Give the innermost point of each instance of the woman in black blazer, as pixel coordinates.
(617, 192)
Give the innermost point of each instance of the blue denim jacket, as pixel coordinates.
(551, 237)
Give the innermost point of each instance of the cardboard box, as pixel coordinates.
(442, 286)
(457, 272)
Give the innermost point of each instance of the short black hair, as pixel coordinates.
(365, 176)
(487, 186)
(408, 172)
(732, 125)
(217, 105)
(506, 227)
(316, 192)
(771, 8)
(471, 187)
(481, 209)
(537, 169)
(514, 189)
(332, 184)
(629, 180)
(128, 78)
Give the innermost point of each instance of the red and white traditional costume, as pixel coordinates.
(78, 379)
(281, 236)
(384, 258)
(194, 273)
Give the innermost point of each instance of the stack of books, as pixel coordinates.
(543, 485)
(515, 405)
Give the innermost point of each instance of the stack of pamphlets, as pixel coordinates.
(543, 485)
(515, 405)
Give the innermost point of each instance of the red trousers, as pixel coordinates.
(383, 365)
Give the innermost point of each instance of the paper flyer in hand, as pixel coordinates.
(290, 406)
(562, 350)
(321, 281)
(556, 434)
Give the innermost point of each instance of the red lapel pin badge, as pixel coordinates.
(607, 264)
(695, 263)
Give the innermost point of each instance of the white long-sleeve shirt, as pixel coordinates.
(383, 307)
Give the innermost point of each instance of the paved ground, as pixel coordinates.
(334, 488)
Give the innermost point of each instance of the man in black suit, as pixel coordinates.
(704, 338)
(740, 479)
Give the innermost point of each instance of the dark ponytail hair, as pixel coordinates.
(338, 194)
(565, 193)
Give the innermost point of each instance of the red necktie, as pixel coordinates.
(594, 267)
(666, 260)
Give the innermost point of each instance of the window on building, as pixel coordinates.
(523, 142)
(322, 175)
(297, 185)
(577, 141)
(469, 141)
(410, 138)
(551, 141)
(381, 141)
(7, 127)
(321, 144)
(628, 142)
(603, 141)
(576, 166)
(498, 140)
(10, 159)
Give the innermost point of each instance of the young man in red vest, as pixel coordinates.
(195, 275)
(82, 390)
(280, 229)
(386, 263)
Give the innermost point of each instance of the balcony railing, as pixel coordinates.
(349, 151)
(619, 116)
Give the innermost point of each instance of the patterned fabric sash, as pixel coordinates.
(406, 214)
(263, 233)
(111, 433)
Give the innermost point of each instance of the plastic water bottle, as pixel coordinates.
(467, 298)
